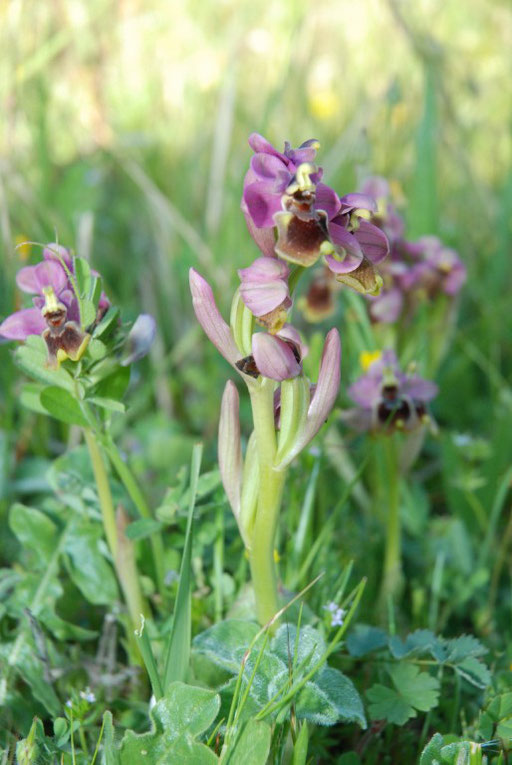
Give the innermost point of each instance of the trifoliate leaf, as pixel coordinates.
(413, 691)
(474, 671)
(461, 647)
(387, 704)
(416, 644)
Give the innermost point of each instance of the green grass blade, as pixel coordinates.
(149, 659)
(177, 650)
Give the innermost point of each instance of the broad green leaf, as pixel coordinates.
(83, 276)
(72, 472)
(34, 530)
(461, 647)
(329, 698)
(96, 349)
(504, 729)
(108, 324)
(88, 568)
(178, 719)
(87, 313)
(387, 704)
(30, 398)
(108, 403)
(226, 642)
(414, 690)
(32, 358)
(64, 630)
(364, 639)
(474, 671)
(253, 746)
(415, 644)
(431, 755)
(142, 528)
(114, 385)
(271, 675)
(30, 667)
(63, 406)
(310, 645)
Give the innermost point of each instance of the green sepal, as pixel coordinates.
(250, 490)
(242, 324)
(295, 400)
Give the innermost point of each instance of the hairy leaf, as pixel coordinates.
(178, 719)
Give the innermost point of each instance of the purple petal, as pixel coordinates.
(264, 237)
(208, 316)
(357, 201)
(274, 357)
(387, 306)
(33, 279)
(328, 383)
(261, 299)
(261, 203)
(419, 389)
(264, 270)
(366, 390)
(229, 447)
(57, 252)
(373, 241)
(305, 153)
(19, 325)
(260, 144)
(264, 285)
(347, 242)
(376, 187)
(327, 200)
(455, 279)
(288, 332)
(267, 167)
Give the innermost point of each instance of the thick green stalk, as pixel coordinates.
(271, 482)
(104, 495)
(120, 547)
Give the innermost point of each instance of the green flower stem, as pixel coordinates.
(105, 497)
(137, 497)
(271, 482)
(392, 574)
(122, 554)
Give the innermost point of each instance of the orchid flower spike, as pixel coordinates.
(387, 398)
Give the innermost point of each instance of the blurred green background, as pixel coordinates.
(124, 135)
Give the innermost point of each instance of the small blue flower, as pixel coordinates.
(337, 614)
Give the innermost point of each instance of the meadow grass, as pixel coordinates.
(124, 135)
